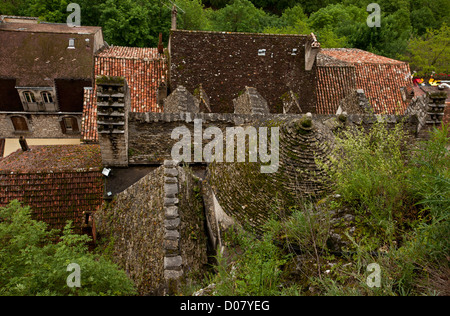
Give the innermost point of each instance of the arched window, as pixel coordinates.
(29, 97)
(20, 123)
(47, 97)
(69, 125)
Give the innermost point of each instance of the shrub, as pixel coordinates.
(33, 263)
(369, 170)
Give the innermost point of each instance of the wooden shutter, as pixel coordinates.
(63, 126)
(20, 124)
(75, 128)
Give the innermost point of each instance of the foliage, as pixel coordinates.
(194, 16)
(410, 29)
(369, 170)
(430, 52)
(32, 263)
(240, 16)
(255, 272)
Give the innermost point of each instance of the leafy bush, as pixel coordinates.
(33, 263)
(369, 170)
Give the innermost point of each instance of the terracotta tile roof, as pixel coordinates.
(89, 118)
(44, 27)
(60, 183)
(143, 68)
(354, 55)
(380, 77)
(335, 84)
(130, 52)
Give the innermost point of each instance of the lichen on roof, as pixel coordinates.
(109, 80)
(53, 158)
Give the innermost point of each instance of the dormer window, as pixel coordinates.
(29, 97)
(47, 97)
(71, 43)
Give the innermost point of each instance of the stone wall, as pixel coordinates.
(355, 103)
(132, 224)
(429, 109)
(39, 125)
(155, 230)
(150, 133)
(225, 63)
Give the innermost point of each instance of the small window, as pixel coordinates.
(69, 125)
(261, 52)
(29, 97)
(71, 43)
(19, 123)
(47, 97)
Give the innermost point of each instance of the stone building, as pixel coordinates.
(44, 68)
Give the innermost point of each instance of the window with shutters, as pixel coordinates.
(20, 124)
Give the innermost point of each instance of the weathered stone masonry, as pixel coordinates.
(156, 231)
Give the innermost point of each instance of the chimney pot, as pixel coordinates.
(23, 144)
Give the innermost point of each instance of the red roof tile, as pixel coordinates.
(60, 183)
(143, 68)
(380, 77)
(89, 118)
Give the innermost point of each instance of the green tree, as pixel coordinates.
(133, 23)
(32, 263)
(194, 16)
(241, 16)
(292, 21)
(47, 10)
(430, 52)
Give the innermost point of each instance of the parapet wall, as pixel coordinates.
(150, 140)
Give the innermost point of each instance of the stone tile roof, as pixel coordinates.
(60, 183)
(43, 27)
(341, 70)
(143, 68)
(37, 54)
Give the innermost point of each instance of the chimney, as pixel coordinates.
(23, 144)
(160, 44)
(174, 17)
(113, 102)
(312, 48)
